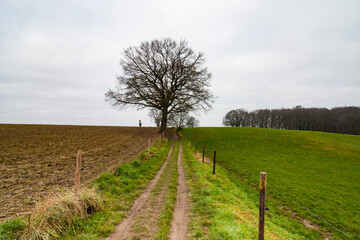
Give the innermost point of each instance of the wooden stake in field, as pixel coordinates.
(262, 205)
(149, 146)
(214, 161)
(77, 174)
(29, 222)
(196, 146)
(203, 153)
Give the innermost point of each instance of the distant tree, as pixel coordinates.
(181, 120)
(155, 115)
(337, 120)
(263, 117)
(178, 119)
(235, 118)
(191, 122)
(231, 119)
(165, 75)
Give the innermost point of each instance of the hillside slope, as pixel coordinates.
(312, 171)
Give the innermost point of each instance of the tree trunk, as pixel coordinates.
(163, 121)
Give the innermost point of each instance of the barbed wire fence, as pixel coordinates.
(252, 180)
(312, 213)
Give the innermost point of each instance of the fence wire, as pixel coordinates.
(249, 178)
(312, 213)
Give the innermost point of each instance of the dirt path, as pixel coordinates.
(124, 229)
(180, 221)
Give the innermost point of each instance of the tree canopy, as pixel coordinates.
(165, 75)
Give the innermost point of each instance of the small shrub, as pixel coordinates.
(125, 181)
(116, 190)
(126, 170)
(106, 180)
(10, 229)
(57, 214)
(136, 163)
(142, 156)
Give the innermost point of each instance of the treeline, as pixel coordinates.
(336, 120)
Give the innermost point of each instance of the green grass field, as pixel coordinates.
(224, 208)
(319, 171)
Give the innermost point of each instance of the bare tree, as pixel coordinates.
(165, 75)
(181, 120)
(191, 122)
(235, 118)
(337, 120)
(178, 119)
(155, 115)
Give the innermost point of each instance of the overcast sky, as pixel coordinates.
(58, 58)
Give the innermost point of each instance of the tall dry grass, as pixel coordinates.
(56, 215)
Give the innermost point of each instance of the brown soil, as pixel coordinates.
(142, 218)
(180, 221)
(36, 159)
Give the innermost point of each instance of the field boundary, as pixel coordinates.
(201, 157)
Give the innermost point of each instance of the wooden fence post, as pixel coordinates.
(214, 161)
(29, 222)
(203, 153)
(77, 174)
(196, 146)
(262, 205)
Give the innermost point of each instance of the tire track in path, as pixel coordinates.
(124, 227)
(178, 230)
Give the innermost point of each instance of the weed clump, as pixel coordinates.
(136, 163)
(11, 228)
(57, 214)
(126, 170)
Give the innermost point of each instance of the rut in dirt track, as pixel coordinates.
(180, 221)
(123, 229)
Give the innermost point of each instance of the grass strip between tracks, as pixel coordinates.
(164, 221)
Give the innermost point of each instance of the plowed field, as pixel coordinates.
(37, 159)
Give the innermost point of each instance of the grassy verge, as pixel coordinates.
(318, 170)
(117, 191)
(223, 207)
(164, 221)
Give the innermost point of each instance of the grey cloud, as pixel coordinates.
(58, 58)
